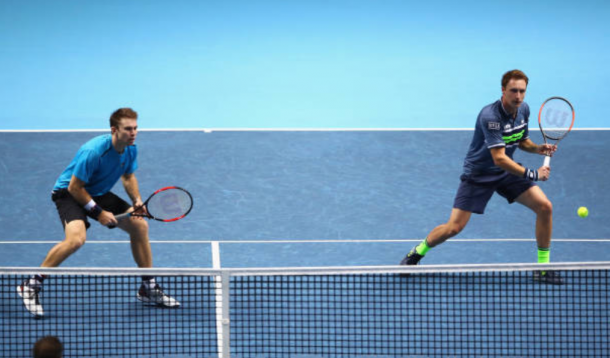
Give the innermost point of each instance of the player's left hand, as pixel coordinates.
(547, 149)
(139, 208)
(544, 173)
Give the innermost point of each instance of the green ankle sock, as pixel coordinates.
(423, 247)
(544, 255)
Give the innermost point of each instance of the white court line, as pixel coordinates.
(97, 130)
(218, 292)
(313, 241)
(208, 130)
(215, 255)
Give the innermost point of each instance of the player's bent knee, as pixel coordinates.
(142, 225)
(137, 226)
(76, 235)
(545, 208)
(75, 242)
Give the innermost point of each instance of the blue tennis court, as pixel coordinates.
(272, 199)
(306, 198)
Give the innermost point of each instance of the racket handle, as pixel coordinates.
(122, 216)
(547, 161)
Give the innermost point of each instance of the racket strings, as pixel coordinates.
(169, 204)
(556, 119)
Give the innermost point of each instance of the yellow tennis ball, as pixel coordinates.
(583, 212)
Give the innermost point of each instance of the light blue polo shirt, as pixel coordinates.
(495, 128)
(99, 165)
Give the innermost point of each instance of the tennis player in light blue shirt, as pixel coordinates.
(82, 192)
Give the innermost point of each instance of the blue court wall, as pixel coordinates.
(294, 64)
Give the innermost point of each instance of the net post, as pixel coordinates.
(226, 316)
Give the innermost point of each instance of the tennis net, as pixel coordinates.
(381, 312)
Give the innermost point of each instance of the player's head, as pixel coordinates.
(48, 347)
(115, 118)
(514, 85)
(124, 126)
(514, 75)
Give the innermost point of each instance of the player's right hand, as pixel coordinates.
(547, 149)
(544, 173)
(106, 218)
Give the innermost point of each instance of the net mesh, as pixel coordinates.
(428, 315)
(451, 312)
(100, 316)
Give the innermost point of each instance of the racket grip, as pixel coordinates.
(547, 161)
(122, 216)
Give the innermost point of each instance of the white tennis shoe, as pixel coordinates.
(30, 298)
(156, 296)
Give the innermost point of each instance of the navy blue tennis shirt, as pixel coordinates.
(495, 128)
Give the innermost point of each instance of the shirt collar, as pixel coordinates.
(505, 113)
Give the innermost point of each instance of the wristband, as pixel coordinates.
(93, 209)
(95, 212)
(90, 205)
(531, 174)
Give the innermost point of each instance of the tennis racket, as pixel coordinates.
(167, 204)
(556, 119)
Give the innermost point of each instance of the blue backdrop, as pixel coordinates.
(393, 63)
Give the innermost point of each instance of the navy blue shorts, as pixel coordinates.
(69, 209)
(476, 190)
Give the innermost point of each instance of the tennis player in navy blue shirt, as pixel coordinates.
(82, 192)
(489, 168)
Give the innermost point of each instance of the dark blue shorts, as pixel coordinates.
(476, 190)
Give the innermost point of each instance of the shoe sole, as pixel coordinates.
(152, 303)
